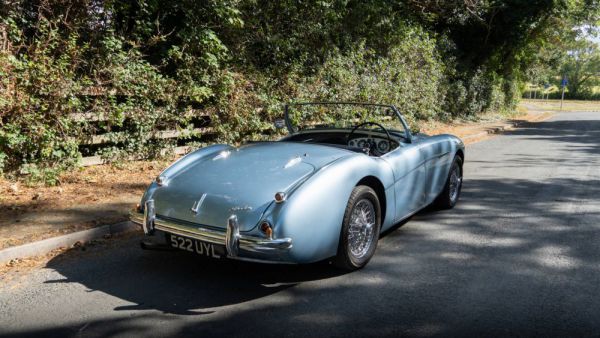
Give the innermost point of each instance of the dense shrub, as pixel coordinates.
(46, 98)
(358, 75)
(37, 135)
(138, 102)
(397, 78)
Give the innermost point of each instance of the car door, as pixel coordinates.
(408, 164)
(438, 158)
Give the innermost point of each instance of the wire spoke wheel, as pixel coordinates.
(360, 229)
(455, 182)
(362, 222)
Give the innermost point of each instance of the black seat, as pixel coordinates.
(351, 148)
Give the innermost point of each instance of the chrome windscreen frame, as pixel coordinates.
(290, 127)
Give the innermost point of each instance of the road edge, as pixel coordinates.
(47, 245)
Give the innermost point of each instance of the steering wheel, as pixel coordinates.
(372, 146)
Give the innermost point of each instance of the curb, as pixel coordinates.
(45, 246)
(491, 131)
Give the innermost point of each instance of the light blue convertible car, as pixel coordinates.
(344, 173)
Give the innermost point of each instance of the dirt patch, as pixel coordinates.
(483, 128)
(85, 198)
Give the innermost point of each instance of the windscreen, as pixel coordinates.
(342, 116)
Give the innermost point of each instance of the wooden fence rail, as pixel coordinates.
(105, 137)
(164, 134)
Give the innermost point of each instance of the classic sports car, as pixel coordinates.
(326, 190)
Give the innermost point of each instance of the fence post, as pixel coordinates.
(3, 38)
(562, 97)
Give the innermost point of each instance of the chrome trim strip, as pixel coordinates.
(205, 235)
(243, 242)
(232, 237)
(149, 217)
(264, 261)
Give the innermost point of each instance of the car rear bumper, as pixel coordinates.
(239, 246)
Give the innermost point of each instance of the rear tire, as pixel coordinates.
(360, 229)
(451, 193)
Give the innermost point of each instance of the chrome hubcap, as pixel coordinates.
(455, 182)
(362, 222)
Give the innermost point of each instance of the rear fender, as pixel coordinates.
(312, 216)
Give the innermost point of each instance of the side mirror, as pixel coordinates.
(279, 124)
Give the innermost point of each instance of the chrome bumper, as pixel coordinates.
(231, 238)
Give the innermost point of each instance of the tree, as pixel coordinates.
(582, 66)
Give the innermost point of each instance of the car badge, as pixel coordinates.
(241, 208)
(197, 204)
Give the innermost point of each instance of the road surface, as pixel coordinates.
(519, 255)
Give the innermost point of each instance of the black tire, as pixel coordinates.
(345, 258)
(448, 197)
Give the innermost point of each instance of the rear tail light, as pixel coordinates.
(266, 229)
(161, 180)
(279, 197)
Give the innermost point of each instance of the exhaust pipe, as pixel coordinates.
(148, 245)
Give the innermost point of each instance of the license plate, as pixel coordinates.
(198, 247)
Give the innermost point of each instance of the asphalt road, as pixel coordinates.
(519, 255)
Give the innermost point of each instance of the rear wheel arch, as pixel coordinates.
(460, 153)
(355, 252)
(445, 199)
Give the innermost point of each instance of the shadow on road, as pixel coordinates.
(184, 284)
(579, 135)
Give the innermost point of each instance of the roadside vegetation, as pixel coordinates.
(131, 70)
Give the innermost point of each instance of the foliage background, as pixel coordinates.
(131, 69)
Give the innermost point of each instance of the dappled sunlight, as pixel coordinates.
(555, 257)
(457, 256)
(478, 240)
(473, 207)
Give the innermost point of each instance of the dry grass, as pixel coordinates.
(85, 198)
(554, 105)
